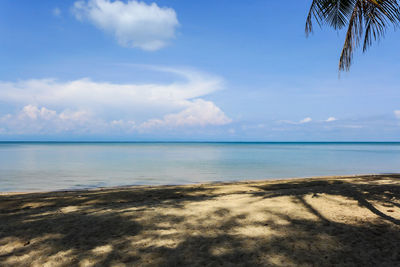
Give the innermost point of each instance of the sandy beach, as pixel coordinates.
(328, 221)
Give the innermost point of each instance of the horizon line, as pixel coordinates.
(182, 141)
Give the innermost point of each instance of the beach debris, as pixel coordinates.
(390, 210)
(27, 243)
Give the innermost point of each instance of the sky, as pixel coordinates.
(174, 70)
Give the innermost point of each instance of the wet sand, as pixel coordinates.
(329, 221)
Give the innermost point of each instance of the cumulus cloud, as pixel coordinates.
(199, 112)
(397, 113)
(133, 24)
(32, 119)
(89, 106)
(330, 119)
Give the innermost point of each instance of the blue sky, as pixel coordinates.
(188, 70)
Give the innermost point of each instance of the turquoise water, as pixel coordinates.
(58, 166)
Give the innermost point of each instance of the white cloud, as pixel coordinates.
(32, 119)
(30, 111)
(133, 24)
(56, 12)
(82, 93)
(330, 119)
(305, 120)
(80, 115)
(198, 113)
(87, 106)
(397, 113)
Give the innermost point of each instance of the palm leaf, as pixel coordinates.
(372, 15)
(352, 39)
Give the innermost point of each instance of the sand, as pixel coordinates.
(330, 221)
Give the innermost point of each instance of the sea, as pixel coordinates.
(44, 166)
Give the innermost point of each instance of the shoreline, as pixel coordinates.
(245, 181)
(323, 221)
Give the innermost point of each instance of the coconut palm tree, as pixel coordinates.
(366, 21)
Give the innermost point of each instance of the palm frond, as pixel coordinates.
(352, 39)
(335, 13)
(377, 17)
(338, 12)
(372, 15)
(315, 12)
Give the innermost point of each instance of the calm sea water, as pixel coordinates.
(57, 166)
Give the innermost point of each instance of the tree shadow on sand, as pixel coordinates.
(195, 226)
(363, 192)
(69, 226)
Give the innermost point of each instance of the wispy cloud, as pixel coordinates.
(305, 120)
(49, 104)
(133, 24)
(330, 119)
(302, 121)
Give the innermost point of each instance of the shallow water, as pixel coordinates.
(56, 166)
